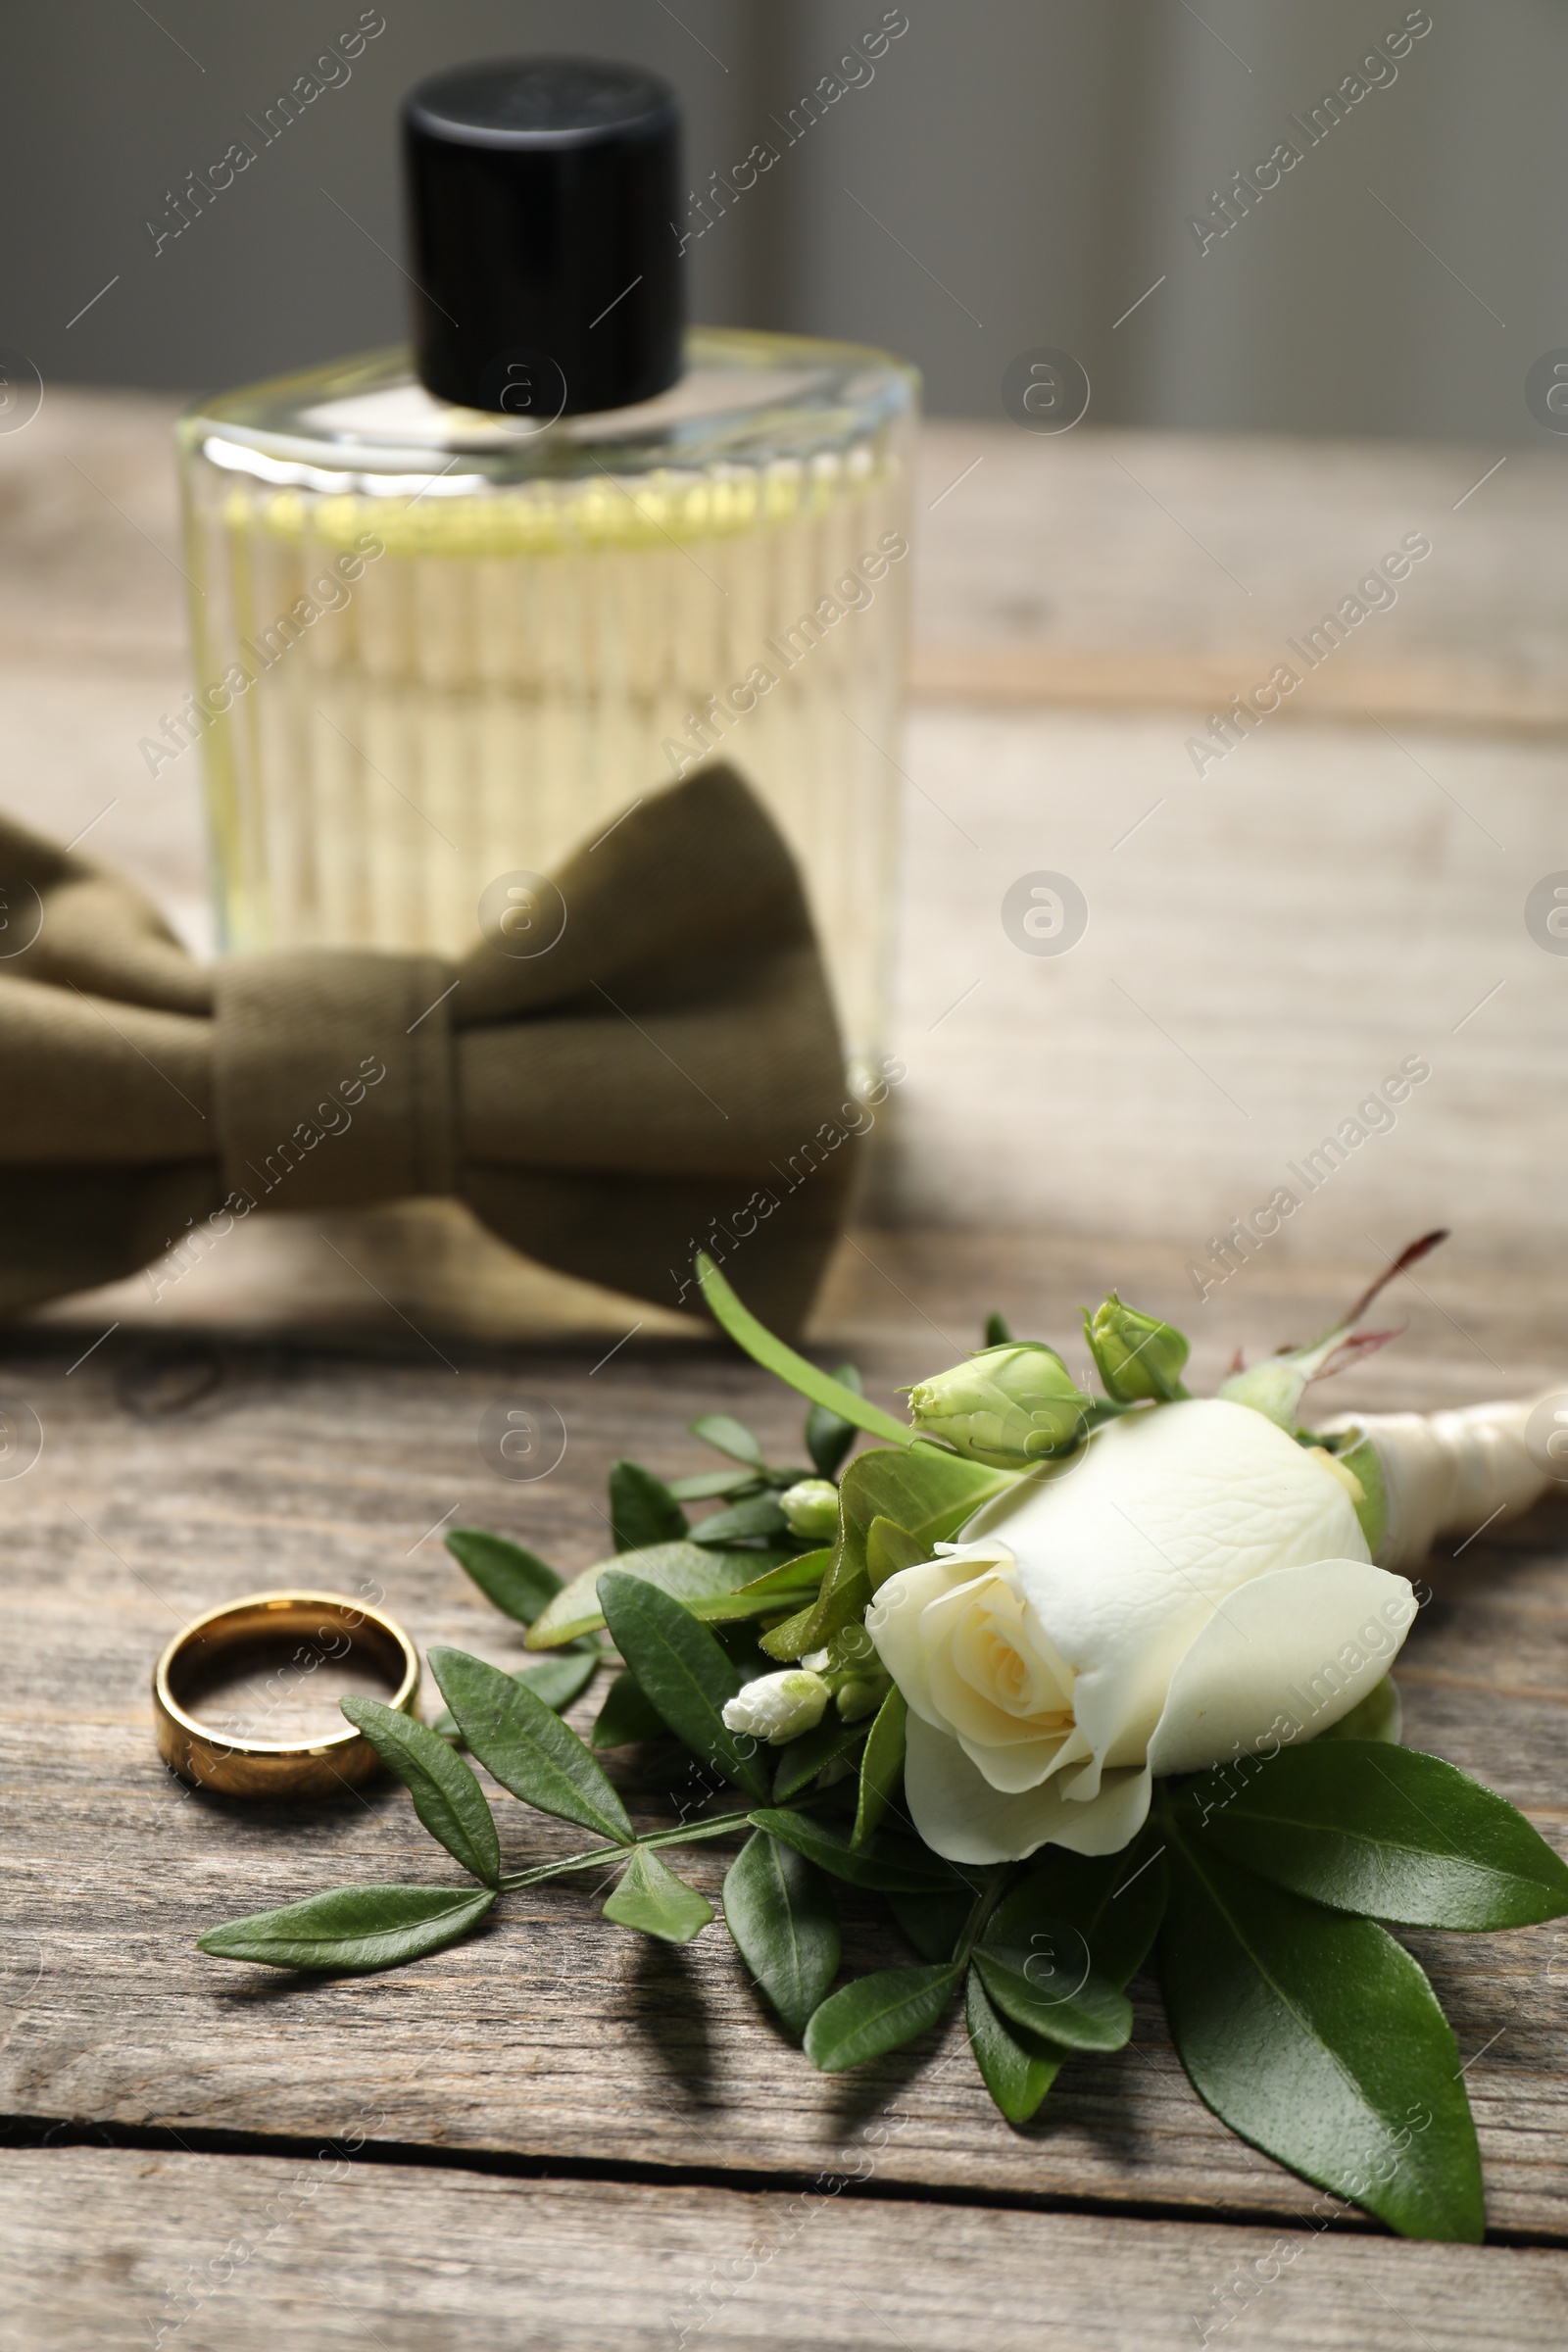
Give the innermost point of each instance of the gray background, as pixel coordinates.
(1030, 165)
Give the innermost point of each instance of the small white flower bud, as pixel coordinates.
(811, 1508)
(778, 1706)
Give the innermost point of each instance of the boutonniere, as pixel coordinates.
(1082, 1684)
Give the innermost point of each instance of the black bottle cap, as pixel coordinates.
(547, 277)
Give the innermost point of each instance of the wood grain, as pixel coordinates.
(247, 2254)
(1027, 673)
(551, 2034)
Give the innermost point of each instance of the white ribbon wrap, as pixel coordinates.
(1447, 1473)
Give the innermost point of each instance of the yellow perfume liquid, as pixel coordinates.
(434, 645)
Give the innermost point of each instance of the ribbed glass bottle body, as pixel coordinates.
(433, 647)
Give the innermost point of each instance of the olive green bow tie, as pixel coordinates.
(635, 1060)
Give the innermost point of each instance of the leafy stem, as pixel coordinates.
(722, 1824)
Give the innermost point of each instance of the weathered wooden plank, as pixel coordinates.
(1127, 553)
(554, 2034)
(1266, 946)
(246, 2254)
(1024, 673)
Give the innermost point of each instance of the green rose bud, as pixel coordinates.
(811, 1508)
(1137, 1357)
(1007, 1406)
(855, 1699)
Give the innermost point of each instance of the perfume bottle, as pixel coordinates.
(455, 611)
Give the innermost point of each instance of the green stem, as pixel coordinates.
(722, 1824)
(1174, 1819)
(985, 1902)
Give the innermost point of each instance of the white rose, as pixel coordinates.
(1197, 1585)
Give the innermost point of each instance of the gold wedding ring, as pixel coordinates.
(324, 1626)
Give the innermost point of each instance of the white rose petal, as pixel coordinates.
(1304, 1644)
(1151, 1613)
(960, 1814)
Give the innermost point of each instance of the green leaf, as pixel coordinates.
(556, 1681)
(800, 1760)
(1378, 1716)
(447, 1797)
(926, 1495)
(758, 1515)
(728, 1435)
(642, 1509)
(704, 1483)
(786, 1585)
(350, 1929)
(1114, 1901)
(792, 1638)
(741, 1608)
(877, 2014)
(882, 1765)
(933, 1923)
(951, 1501)
(781, 1913)
(1391, 1832)
(889, 1550)
(1062, 1998)
(528, 1749)
(739, 1645)
(786, 1577)
(828, 1435)
(517, 1582)
(1017, 2067)
(627, 1716)
(653, 1900)
(892, 1866)
(794, 1370)
(683, 1672)
(688, 1571)
(1316, 2038)
(998, 1331)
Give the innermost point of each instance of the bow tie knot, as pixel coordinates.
(332, 1076)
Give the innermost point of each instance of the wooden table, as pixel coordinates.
(561, 2135)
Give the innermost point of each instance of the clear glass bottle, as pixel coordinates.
(434, 644)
